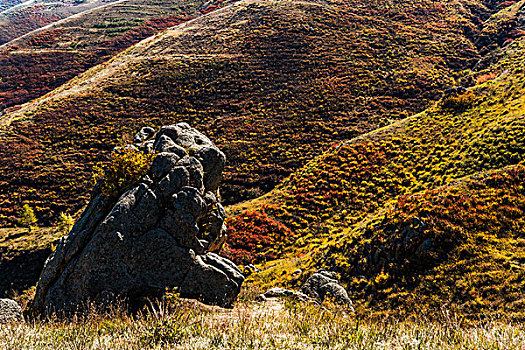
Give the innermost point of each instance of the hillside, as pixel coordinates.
(271, 82)
(427, 212)
(23, 256)
(8, 3)
(21, 18)
(44, 59)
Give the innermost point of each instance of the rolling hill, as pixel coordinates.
(21, 18)
(44, 59)
(426, 213)
(8, 4)
(273, 83)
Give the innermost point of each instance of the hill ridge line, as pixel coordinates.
(68, 88)
(51, 25)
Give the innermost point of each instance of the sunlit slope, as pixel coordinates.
(26, 16)
(8, 3)
(44, 59)
(273, 83)
(427, 212)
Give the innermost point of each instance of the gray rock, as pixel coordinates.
(323, 284)
(297, 272)
(10, 311)
(320, 286)
(161, 233)
(144, 134)
(278, 292)
(284, 293)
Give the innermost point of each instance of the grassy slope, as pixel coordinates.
(22, 18)
(23, 255)
(273, 83)
(44, 59)
(458, 170)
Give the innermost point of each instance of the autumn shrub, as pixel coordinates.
(485, 77)
(458, 102)
(254, 237)
(125, 168)
(65, 222)
(27, 217)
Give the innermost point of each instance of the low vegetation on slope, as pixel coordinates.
(23, 255)
(26, 16)
(8, 4)
(45, 59)
(271, 82)
(426, 212)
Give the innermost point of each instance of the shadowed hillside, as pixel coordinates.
(272, 83)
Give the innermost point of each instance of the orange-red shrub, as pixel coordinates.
(254, 237)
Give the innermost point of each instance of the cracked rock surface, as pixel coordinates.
(161, 233)
(10, 311)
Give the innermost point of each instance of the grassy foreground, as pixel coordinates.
(183, 324)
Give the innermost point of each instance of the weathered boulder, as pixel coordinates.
(324, 284)
(10, 311)
(320, 286)
(161, 233)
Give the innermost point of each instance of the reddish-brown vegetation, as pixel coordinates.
(254, 237)
(273, 85)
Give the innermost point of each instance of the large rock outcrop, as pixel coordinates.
(161, 233)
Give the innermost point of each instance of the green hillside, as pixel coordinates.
(273, 83)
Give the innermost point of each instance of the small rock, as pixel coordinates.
(297, 272)
(144, 134)
(10, 311)
(323, 284)
(285, 293)
(278, 293)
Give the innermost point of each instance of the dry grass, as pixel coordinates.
(19, 239)
(183, 324)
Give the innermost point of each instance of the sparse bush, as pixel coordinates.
(65, 222)
(125, 169)
(27, 217)
(458, 102)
